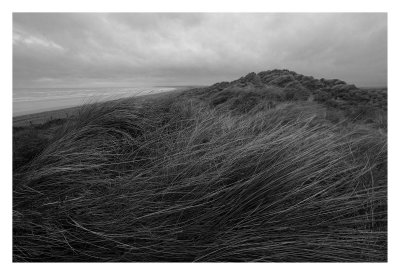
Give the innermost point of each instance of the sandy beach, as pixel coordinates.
(65, 112)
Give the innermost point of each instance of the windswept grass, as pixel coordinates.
(180, 181)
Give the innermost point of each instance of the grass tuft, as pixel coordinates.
(180, 181)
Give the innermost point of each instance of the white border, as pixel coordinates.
(198, 6)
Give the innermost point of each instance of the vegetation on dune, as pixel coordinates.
(232, 172)
(285, 85)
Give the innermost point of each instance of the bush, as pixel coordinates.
(332, 103)
(322, 96)
(289, 94)
(295, 94)
(244, 103)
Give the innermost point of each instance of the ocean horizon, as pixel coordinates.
(33, 100)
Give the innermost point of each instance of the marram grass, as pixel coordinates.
(179, 181)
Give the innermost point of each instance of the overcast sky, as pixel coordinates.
(141, 49)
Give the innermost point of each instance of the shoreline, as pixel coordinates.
(23, 120)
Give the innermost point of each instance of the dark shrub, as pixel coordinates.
(296, 93)
(332, 103)
(289, 94)
(282, 80)
(321, 96)
(244, 103)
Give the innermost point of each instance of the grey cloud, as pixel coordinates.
(87, 49)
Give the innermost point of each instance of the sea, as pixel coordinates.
(35, 100)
